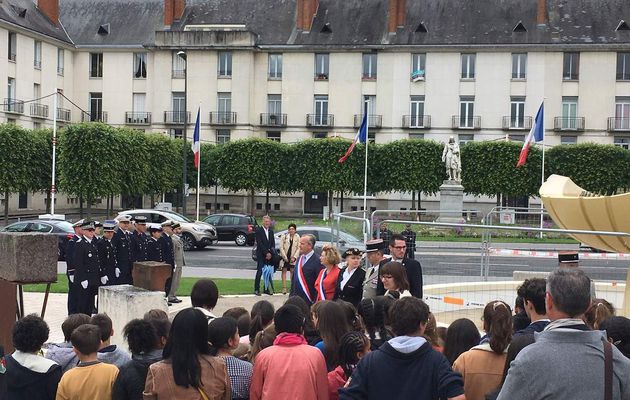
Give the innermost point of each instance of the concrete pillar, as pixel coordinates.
(8, 312)
(122, 303)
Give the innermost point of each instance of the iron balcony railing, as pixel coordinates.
(575, 124)
(63, 115)
(176, 117)
(14, 106)
(138, 118)
(94, 116)
(416, 121)
(320, 120)
(374, 121)
(222, 118)
(273, 120)
(466, 122)
(39, 110)
(617, 124)
(517, 123)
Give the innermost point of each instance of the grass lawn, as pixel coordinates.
(226, 286)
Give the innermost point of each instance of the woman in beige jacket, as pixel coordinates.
(289, 252)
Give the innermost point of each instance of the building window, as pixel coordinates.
(517, 112)
(416, 112)
(571, 67)
(223, 136)
(623, 66)
(11, 90)
(320, 135)
(321, 66)
(275, 66)
(622, 141)
(37, 125)
(275, 136)
(23, 200)
(37, 54)
(276, 207)
(371, 136)
(622, 113)
(226, 206)
(416, 136)
(179, 66)
(418, 67)
(568, 139)
(519, 65)
(569, 113)
(138, 106)
(12, 46)
(274, 104)
(466, 112)
(60, 61)
(178, 101)
(465, 138)
(225, 64)
(468, 66)
(11, 121)
(96, 65)
(37, 90)
(321, 110)
(96, 106)
(369, 104)
(176, 133)
(139, 65)
(369, 65)
(224, 101)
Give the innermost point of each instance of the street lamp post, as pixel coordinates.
(182, 54)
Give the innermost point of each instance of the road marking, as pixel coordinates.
(491, 264)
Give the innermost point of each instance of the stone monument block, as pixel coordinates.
(151, 275)
(451, 202)
(122, 303)
(28, 257)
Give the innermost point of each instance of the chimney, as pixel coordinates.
(307, 9)
(50, 8)
(168, 12)
(397, 13)
(541, 13)
(178, 9)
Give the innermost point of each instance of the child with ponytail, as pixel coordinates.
(373, 313)
(353, 346)
(224, 339)
(482, 366)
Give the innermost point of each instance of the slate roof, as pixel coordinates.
(131, 22)
(33, 19)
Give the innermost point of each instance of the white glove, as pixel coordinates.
(84, 284)
(104, 279)
(71, 277)
(117, 272)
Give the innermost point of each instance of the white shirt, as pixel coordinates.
(266, 232)
(346, 277)
(307, 257)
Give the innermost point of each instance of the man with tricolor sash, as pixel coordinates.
(307, 269)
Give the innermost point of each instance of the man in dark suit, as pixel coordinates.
(88, 275)
(351, 277)
(265, 250)
(70, 268)
(398, 248)
(106, 252)
(307, 268)
(124, 257)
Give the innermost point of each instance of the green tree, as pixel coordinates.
(16, 171)
(164, 162)
(489, 168)
(597, 168)
(89, 161)
(41, 163)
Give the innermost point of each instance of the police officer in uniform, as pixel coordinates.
(106, 251)
(168, 253)
(122, 246)
(98, 233)
(154, 247)
(88, 275)
(70, 268)
(410, 239)
(139, 238)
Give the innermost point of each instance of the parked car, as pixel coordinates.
(62, 229)
(238, 227)
(194, 234)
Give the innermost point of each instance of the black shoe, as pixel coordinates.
(268, 292)
(169, 303)
(257, 293)
(175, 300)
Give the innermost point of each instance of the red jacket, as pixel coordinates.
(336, 380)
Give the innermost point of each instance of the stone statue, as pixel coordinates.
(451, 157)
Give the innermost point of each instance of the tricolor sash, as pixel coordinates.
(302, 280)
(322, 292)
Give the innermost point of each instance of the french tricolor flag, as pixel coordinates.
(195, 143)
(536, 134)
(360, 137)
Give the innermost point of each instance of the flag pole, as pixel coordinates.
(198, 165)
(366, 110)
(542, 179)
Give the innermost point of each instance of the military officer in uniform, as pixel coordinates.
(168, 255)
(70, 268)
(178, 251)
(88, 275)
(106, 252)
(154, 248)
(122, 246)
(98, 232)
(140, 238)
(374, 259)
(410, 239)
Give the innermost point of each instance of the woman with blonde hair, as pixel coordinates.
(289, 253)
(599, 311)
(326, 282)
(482, 366)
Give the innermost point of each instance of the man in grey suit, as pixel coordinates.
(178, 249)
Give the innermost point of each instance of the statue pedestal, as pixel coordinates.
(151, 275)
(451, 202)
